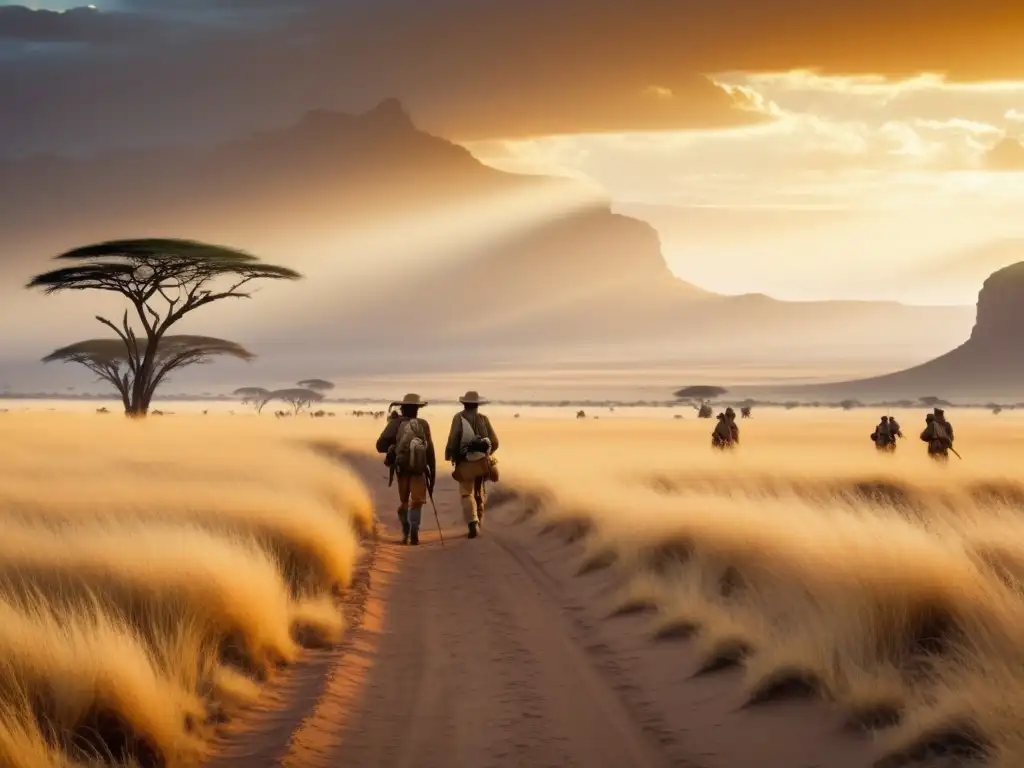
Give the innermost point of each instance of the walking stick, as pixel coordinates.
(430, 493)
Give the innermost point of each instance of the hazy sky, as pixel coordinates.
(802, 148)
(851, 186)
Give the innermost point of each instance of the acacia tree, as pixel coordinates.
(317, 385)
(111, 360)
(163, 280)
(254, 396)
(297, 398)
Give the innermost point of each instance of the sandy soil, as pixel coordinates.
(493, 652)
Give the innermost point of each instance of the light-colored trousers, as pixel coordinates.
(472, 478)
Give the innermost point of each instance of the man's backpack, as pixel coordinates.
(411, 448)
(472, 447)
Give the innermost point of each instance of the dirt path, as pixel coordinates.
(491, 653)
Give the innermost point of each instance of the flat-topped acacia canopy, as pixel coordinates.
(700, 391)
(320, 385)
(109, 358)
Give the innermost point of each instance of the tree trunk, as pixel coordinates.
(145, 373)
(137, 407)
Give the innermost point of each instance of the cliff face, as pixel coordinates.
(989, 365)
(1000, 322)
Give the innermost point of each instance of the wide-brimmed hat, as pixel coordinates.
(473, 398)
(410, 399)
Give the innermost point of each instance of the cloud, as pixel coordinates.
(78, 25)
(849, 141)
(475, 70)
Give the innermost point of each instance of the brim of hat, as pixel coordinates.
(480, 401)
(421, 403)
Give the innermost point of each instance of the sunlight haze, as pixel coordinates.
(850, 183)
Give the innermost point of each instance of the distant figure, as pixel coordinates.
(745, 412)
(721, 436)
(894, 428)
(471, 443)
(937, 437)
(409, 453)
(734, 428)
(704, 412)
(883, 436)
(581, 414)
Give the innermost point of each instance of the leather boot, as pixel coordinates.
(473, 530)
(414, 535)
(403, 518)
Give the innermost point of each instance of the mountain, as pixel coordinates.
(417, 252)
(988, 366)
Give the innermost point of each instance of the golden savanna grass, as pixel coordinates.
(153, 573)
(888, 585)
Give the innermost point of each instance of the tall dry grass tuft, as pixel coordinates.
(888, 585)
(152, 575)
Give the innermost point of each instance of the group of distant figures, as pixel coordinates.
(937, 433)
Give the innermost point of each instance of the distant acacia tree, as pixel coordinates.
(849, 405)
(297, 398)
(163, 280)
(317, 385)
(700, 392)
(254, 396)
(111, 360)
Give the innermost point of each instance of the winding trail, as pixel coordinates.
(491, 653)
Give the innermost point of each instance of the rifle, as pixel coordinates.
(389, 460)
